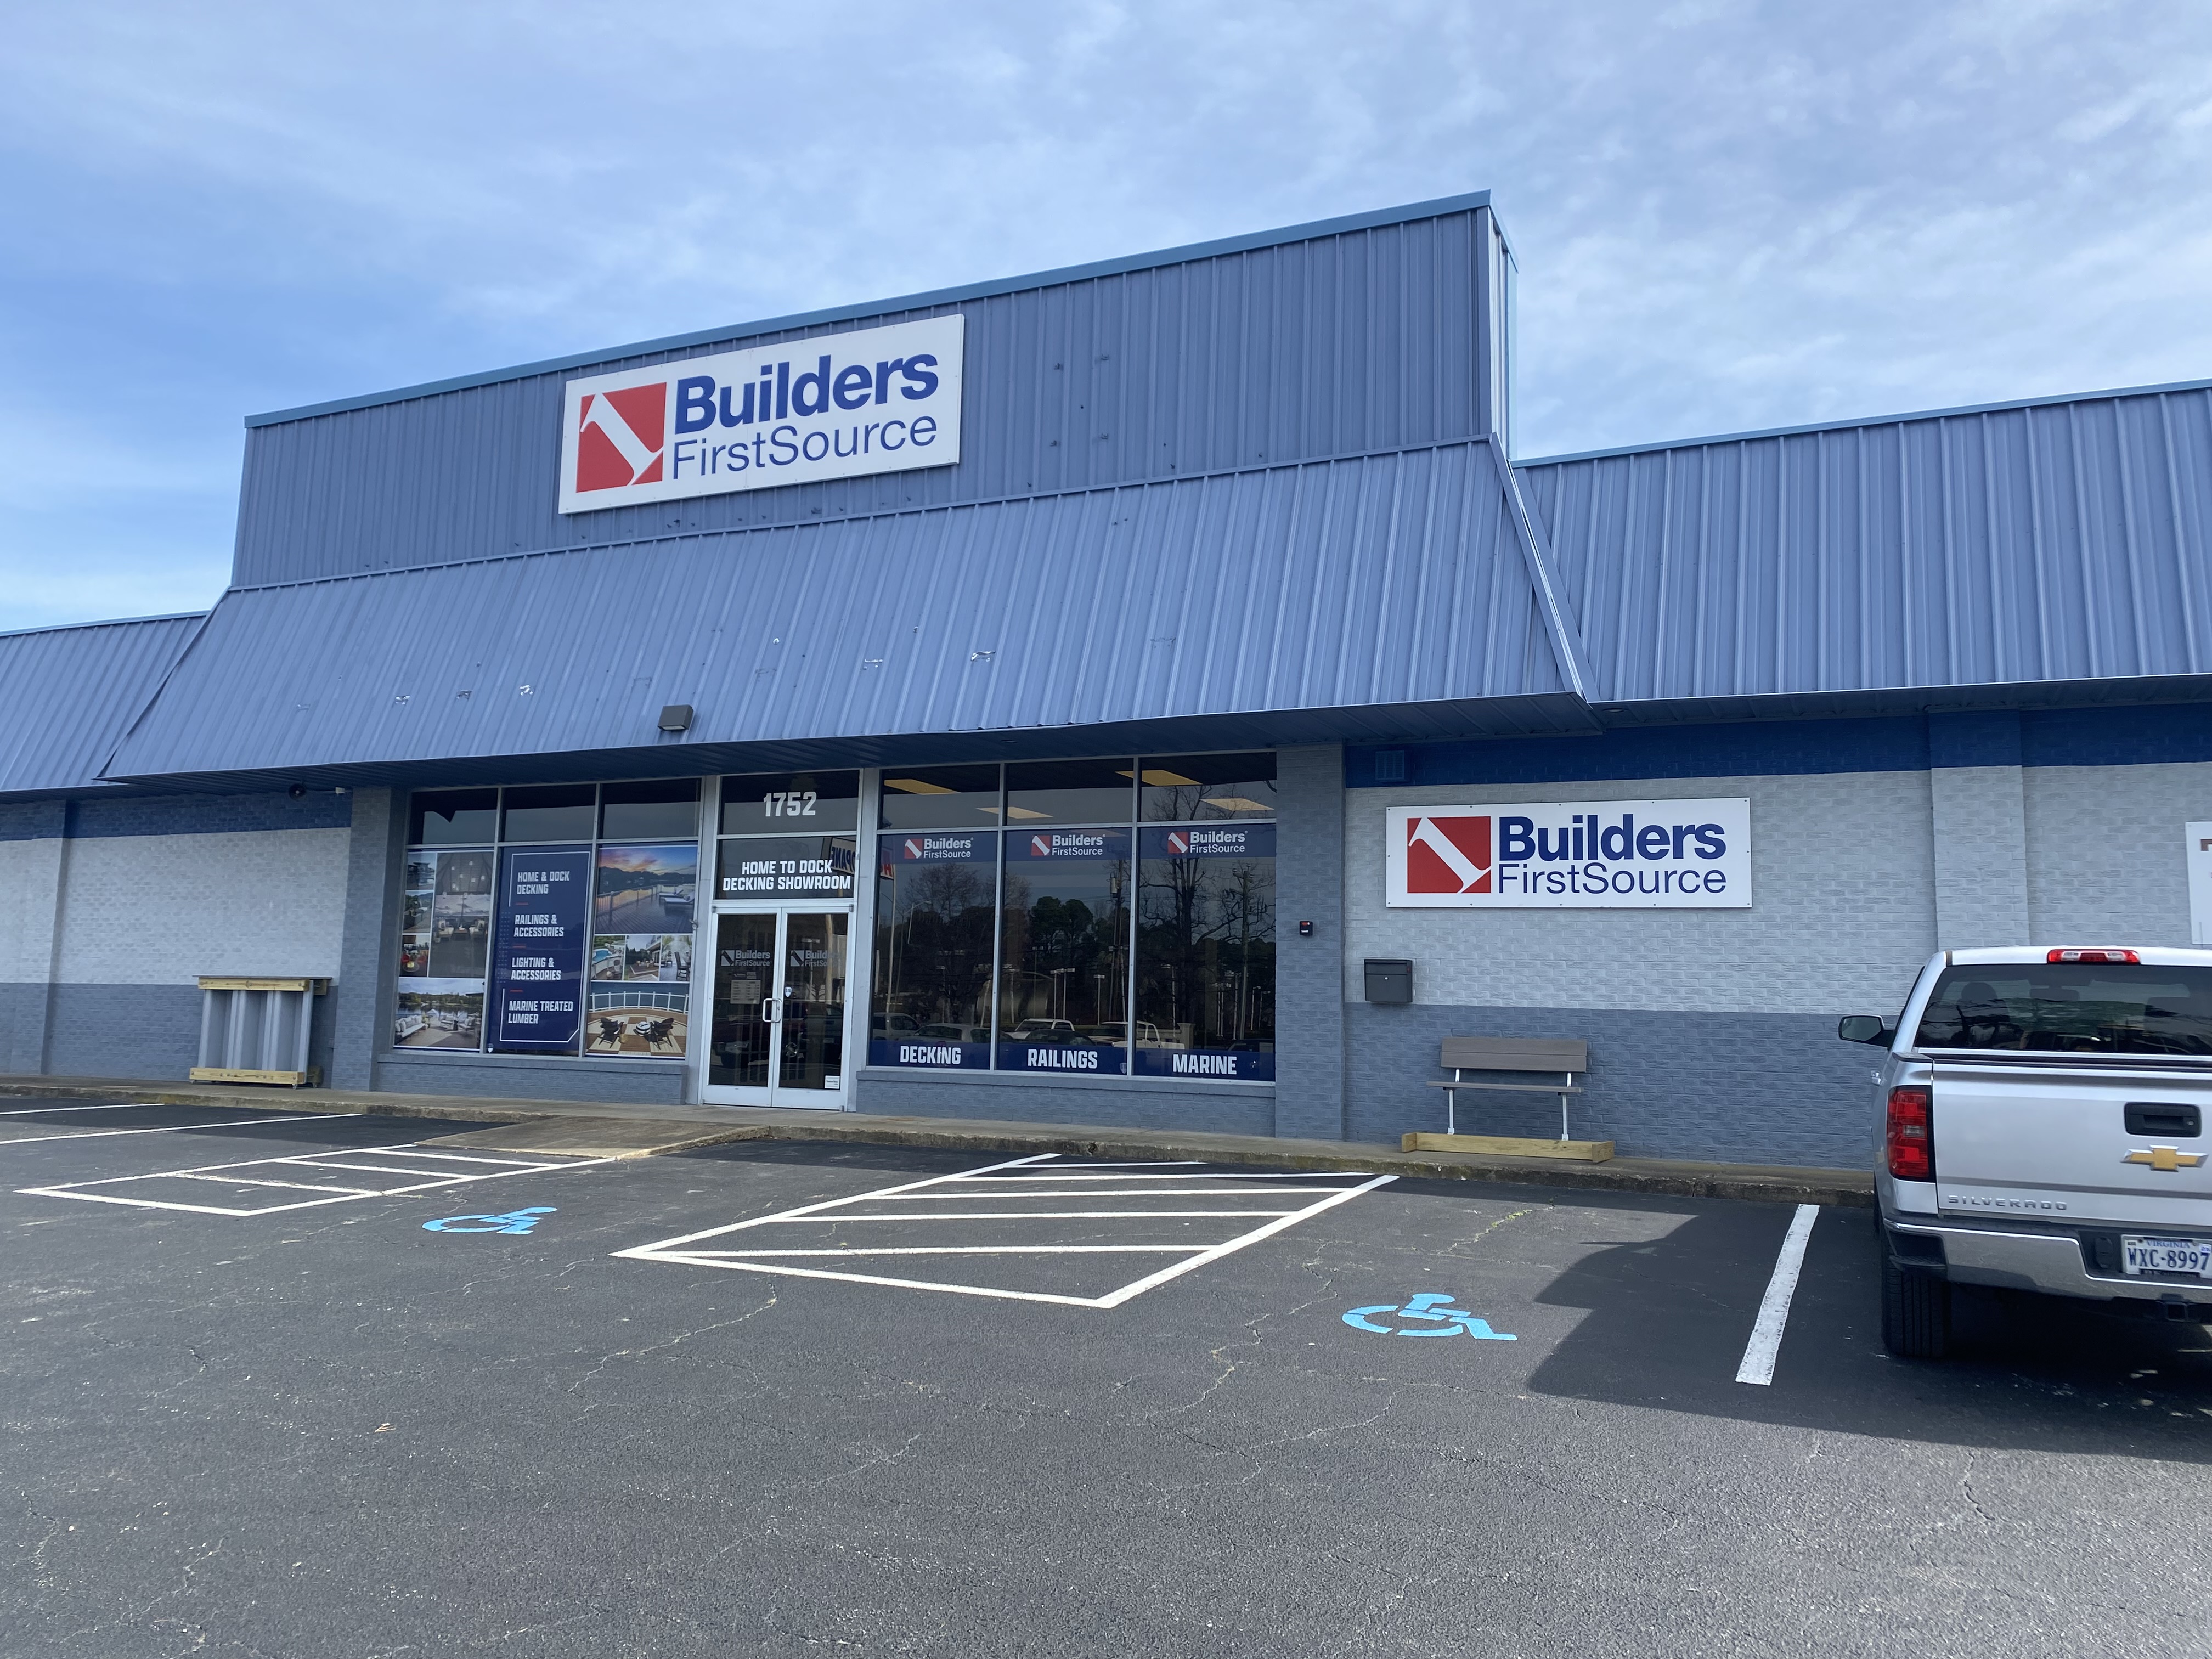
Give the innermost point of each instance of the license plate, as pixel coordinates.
(2141, 1254)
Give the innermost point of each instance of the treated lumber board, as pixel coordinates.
(1586, 1151)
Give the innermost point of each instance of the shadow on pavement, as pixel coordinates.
(1669, 1321)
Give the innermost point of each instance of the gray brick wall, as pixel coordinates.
(1309, 1049)
(2105, 852)
(1745, 1088)
(1978, 826)
(150, 1031)
(1842, 906)
(1134, 1104)
(368, 954)
(30, 882)
(154, 909)
(23, 1026)
(528, 1077)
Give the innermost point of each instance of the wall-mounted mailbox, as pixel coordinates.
(1389, 979)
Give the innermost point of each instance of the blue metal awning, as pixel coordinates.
(1390, 596)
(2057, 551)
(70, 692)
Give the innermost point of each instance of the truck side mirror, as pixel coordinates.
(1864, 1028)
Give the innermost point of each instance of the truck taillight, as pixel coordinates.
(2114, 956)
(1912, 1135)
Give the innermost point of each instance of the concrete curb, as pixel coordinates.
(641, 1130)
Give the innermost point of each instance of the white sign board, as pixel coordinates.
(1575, 854)
(843, 405)
(2200, 883)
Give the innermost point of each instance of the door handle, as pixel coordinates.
(768, 1011)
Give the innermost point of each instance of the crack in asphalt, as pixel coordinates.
(656, 1347)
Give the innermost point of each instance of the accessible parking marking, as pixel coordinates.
(270, 1175)
(1006, 1193)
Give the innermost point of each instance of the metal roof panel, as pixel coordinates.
(70, 693)
(2021, 545)
(1346, 338)
(1374, 583)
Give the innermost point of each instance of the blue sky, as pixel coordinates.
(1728, 216)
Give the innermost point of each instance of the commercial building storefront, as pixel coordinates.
(1043, 700)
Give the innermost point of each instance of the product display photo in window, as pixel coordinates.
(543, 919)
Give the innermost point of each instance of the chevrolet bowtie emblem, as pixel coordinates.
(2166, 1157)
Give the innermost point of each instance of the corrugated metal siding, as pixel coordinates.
(1390, 580)
(2066, 541)
(1342, 344)
(71, 692)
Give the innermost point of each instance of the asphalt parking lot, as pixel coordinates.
(322, 1388)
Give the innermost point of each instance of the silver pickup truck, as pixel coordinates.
(2043, 1129)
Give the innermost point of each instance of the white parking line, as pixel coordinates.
(164, 1128)
(1001, 1195)
(270, 1168)
(683, 1251)
(1759, 1356)
(975, 1250)
(116, 1106)
(289, 1186)
(1223, 1175)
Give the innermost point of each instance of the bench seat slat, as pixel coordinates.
(1515, 1054)
(1523, 1088)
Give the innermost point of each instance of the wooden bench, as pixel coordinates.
(1460, 1056)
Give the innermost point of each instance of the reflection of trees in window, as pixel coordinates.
(1065, 954)
(934, 943)
(1206, 944)
(1170, 797)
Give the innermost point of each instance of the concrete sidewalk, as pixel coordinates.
(603, 1129)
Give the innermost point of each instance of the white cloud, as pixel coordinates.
(1728, 216)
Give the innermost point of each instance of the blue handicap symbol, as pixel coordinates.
(1440, 1318)
(514, 1221)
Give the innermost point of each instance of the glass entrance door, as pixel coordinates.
(778, 1031)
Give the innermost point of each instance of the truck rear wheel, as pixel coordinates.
(1915, 1309)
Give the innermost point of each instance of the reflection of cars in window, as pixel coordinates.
(956, 1033)
(894, 1025)
(1051, 1030)
(1113, 1036)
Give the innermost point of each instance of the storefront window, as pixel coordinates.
(563, 812)
(545, 937)
(791, 803)
(643, 906)
(1184, 788)
(444, 936)
(935, 895)
(1068, 791)
(1206, 952)
(1063, 952)
(659, 809)
(941, 798)
(1100, 906)
(453, 817)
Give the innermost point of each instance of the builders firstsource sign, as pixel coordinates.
(1580, 855)
(880, 400)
